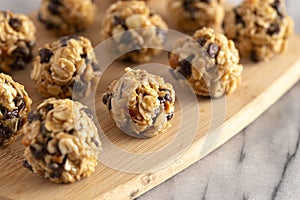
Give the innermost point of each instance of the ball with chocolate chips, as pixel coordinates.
(61, 141)
(194, 14)
(260, 28)
(135, 29)
(67, 68)
(141, 104)
(15, 104)
(209, 61)
(17, 40)
(67, 16)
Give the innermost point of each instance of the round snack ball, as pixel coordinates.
(61, 141)
(67, 17)
(209, 61)
(17, 40)
(15, 104)
(68, 61)
(131, 17)
(194, 14)
(141, 104)
(260, 28)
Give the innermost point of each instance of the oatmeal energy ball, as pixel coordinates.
(260, 28)
(134, 28)
(141, 104)
(67, 16)
(194, 14)
(15, 104)
(61, 141)
(209, 61)
(66, 68)
(17, 38)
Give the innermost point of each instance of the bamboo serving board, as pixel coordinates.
(263, 84)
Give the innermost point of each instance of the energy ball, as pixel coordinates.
(17, 38)
(209, 61)
(260, 28)
(67, 68)
(67, 17)
(194, 14)
(141, 104)
(61, 141)
(15, 104)
(134, 28)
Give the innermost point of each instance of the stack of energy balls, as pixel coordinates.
(60, 137)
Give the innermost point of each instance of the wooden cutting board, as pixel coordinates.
(263, 84)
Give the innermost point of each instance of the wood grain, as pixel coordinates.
(263, 84)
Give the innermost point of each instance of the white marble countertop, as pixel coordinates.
(260, 163)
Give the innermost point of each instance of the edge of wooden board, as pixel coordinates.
(231, 127)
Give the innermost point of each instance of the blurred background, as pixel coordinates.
(27, 6)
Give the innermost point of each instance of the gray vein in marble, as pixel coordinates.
(290, 158)
(243, 153)
(205, 190)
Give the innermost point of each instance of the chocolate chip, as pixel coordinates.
(19, 102)
(15, 23)
(49, 107)
(166, 98)
(186, 66)
(277, 5)
(18, 64)
(239, 19)
(64, 40)
(202, 41)
(12, 114)
(33, 116)
(37, 151)
(109, 104)
(20, 52)
(55, 174)
(95, 142)
(274, 28)
(49, 25)
(57, 2)
(5, 132)
(83, 55)
(169, 116)
(189, 7)
(106, 97)
(120, 21)
(88, 112)
(43, 129)
(45, 55)
(213, 50)
(20, 123)
(27, 165)
(206, 1)
(54, 6)
(254, 57)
